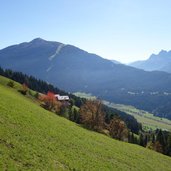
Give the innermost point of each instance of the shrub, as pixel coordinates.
(24, 89)
(10, 84)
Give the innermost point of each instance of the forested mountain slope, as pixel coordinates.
(73, 70)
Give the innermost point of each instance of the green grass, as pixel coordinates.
(4, 81)
(32, 138)
(85, 95)
(17, 86)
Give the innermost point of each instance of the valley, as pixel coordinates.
(148, 120)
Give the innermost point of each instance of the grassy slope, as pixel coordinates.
(32, 138)
(148, 120)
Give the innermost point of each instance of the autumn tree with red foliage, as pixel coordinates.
(50, 102)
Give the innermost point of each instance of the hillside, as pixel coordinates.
(32, 138)
(73, 70)
(43, 87)
(159, 62)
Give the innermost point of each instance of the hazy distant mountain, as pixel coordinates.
(160, 62)
(73, 69)
(115, 62)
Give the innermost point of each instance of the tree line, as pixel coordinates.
(158, 140)
(39, 85)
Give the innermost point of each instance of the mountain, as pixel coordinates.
(73, 70)
(160, 62)
(115, 62)
(32, 138)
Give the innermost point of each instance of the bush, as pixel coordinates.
(24, 89)
(10, 84)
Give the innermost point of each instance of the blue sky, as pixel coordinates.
(124, 30)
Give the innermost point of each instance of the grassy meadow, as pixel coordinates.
(32, 138)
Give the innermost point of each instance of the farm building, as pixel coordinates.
(61, 98)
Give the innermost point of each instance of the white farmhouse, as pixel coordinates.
(61, 98)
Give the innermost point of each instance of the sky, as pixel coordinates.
(123, 30)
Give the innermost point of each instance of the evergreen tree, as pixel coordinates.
(161, 138)
(141, 139)
(145, 140)
(169, 145)
(1, 71)
(153, 138)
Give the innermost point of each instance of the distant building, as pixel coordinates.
(62, 98)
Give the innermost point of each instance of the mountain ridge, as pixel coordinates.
(73, 70)
(160, 62)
